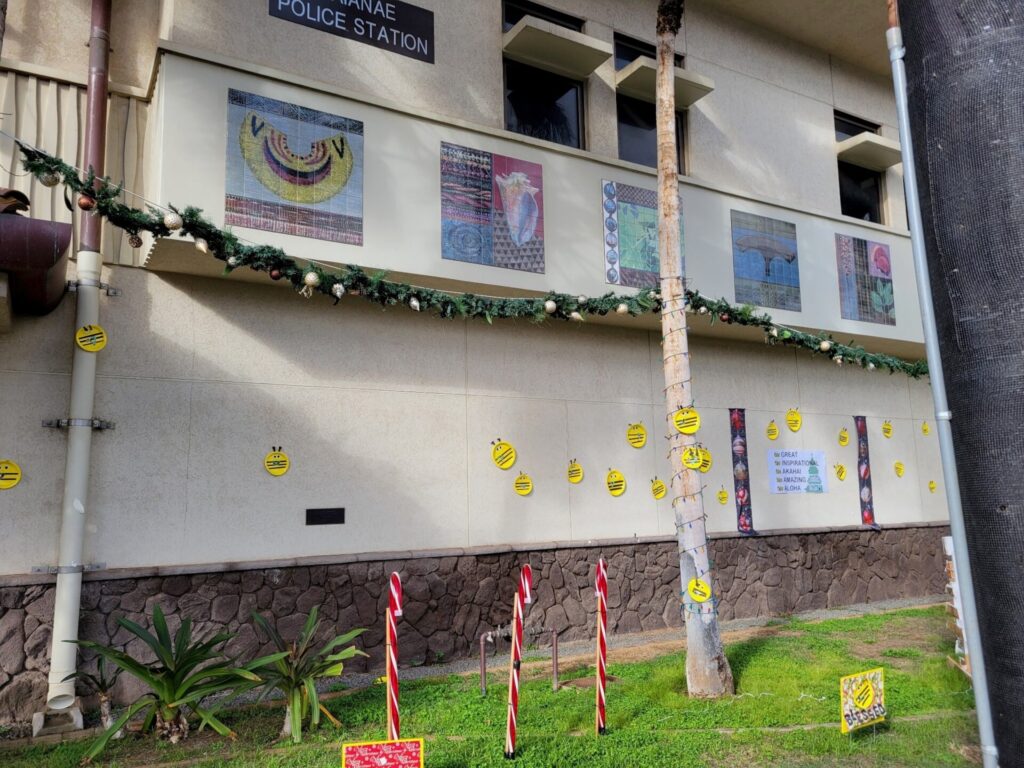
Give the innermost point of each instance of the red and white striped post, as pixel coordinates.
(394, 611)
(523, 598)
(602, 642)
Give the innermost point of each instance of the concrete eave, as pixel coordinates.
(556, 49)
(871, 151)
(5, 304)
(637, 80)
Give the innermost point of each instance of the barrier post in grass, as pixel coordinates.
(394, 611)
(523, 598)
(602, 642)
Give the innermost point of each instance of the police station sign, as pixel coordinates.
(389, 24)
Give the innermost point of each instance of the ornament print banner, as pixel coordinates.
(865, 280)
(867, 502)
(741, 470)
(764, 259)
(797, 471)
(630, 230)
(293, 170)
(492, 209)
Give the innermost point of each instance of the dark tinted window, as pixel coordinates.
(514, 10)
(638, 134)
(860, 192)
(629, 49)
(542, 104)
(848, 126)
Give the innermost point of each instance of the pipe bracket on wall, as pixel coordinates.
(111, 291)
(53, 569)
(99, 424)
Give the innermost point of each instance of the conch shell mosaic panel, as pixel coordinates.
(492, 209)
(293, 170)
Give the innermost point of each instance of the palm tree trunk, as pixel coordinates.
(3, 23)
(286, 729)
(707, 670)
(171, 725)
(106, 716)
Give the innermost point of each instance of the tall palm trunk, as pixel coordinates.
(3, 23)
(707, 670)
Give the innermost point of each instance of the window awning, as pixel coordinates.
(556, 49)
(871, 151)
(638, 77)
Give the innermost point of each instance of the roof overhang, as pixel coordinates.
(871, 151)
(637, 80)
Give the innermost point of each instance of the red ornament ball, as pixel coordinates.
(724, 317)
(86, 203)
(276, 274)
(134, 240)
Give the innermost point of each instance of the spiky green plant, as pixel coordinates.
(298, 666)
(185, 672)
(102, 685)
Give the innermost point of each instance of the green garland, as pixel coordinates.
(101, 196)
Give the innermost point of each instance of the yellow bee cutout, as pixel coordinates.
(699, 590)
(636, 435)
(658, 489)
(899, 468)
(523, 484)
(276, 462)
(887, 429)
(616, 482)
(503, 454)
(932, 485)
(794, 420)
(840, 471)
(844, 437)
(575, 472)
(91, 338)
(925, 428)
(10, 474)
(772, 431)
(692, 457)
(723, 496)
(705, 460)
(687, 420)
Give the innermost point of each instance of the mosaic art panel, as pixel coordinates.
(293, 170)
(492, 209)
(765, 265)
(630, 230)
(865, 280)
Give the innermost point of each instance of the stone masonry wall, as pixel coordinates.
(450, 601)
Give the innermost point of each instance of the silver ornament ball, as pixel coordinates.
(312, 279)
(825, 346)
(49, 178)
(414, 304)
(576, 316)
(550, 307)
(173, 221)
(622, 309)
(337, 290)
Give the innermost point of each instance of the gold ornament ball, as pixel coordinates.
(825, 346)
(702, 311)
(312, 279)
(202, 246)
(622, 309)
(49, 178)
(173, 221)
(550, 307)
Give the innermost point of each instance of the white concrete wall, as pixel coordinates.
(402, 203)
(391, 415)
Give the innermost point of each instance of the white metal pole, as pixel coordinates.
(943, 416)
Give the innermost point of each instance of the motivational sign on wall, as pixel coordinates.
(389, 24)
(797, 471)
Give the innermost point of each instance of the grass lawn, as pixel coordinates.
(787, 683)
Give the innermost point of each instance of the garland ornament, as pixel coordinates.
(309, 277)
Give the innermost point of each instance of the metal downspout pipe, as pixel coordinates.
(67, 602)
(943, 417)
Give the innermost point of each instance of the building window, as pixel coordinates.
(638, 134)
(543, 105)
(514, 10)
(539, 103)
(629, 49)
(860, 189)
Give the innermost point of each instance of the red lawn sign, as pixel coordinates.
(404, 753)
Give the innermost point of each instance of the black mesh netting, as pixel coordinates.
(965, 66)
